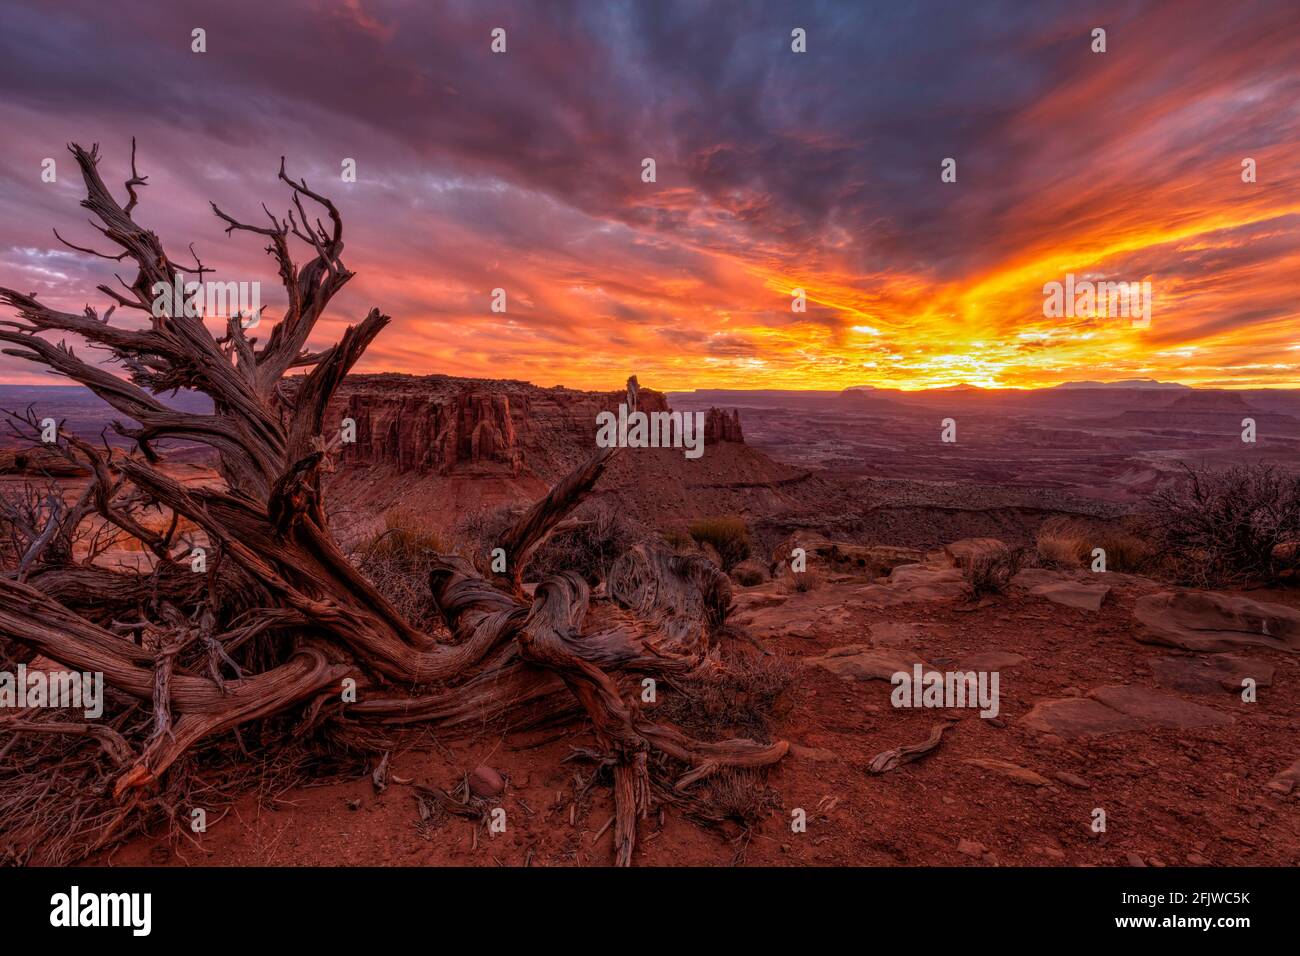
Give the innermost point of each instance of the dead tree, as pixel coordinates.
(277, 576)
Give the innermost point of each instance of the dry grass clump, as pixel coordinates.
(740, 700)
(991, 571)
(728, 535)
(679, 541)
(397, 561)
(804, 581)
(1064, 542)
(589, 543)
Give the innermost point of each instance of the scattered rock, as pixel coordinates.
(486, 782)
(971, 848)
(1134, 859)
(1212, 621)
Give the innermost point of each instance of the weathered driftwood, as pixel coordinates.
(279, 583)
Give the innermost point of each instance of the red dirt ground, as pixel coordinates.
(1171, 797)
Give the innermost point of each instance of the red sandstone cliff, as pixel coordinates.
(436, 424)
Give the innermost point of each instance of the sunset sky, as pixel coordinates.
(775, 170)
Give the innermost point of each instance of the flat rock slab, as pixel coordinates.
(1032, 577)
(861, 662)
(1213, 621)
(1085, 596)
(801, 615)
(914, 582)
(1211, 674)
(898, 634)
(1117, 709)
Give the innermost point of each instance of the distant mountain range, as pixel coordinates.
(1148, 383)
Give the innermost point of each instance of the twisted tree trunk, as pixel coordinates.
(171, 638)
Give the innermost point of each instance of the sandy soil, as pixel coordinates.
(1171, 797)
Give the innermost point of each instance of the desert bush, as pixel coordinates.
(739, 796)
(729, 536)
(739, 700)
(397, 561)
(747, 577)
(1069, 542)
(1232, 526)
(678, 540)
(991, 571)
(803, 581)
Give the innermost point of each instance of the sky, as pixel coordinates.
(775, 170)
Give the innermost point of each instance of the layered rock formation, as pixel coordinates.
(721, 425)
(437, 424)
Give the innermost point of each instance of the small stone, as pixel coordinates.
(1073, 780)
(1195, 859)
(1134, 859)
(486, 782)
(971, 848)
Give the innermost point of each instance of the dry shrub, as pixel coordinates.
(1228, 527)
(747, 577)
(596, 537)
(1069, 542)
(603, 535)
(991, 571)
(679, 541)
(397, 561)
(738, 796)
(729, 536)
(739, 700)
(803, 581)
